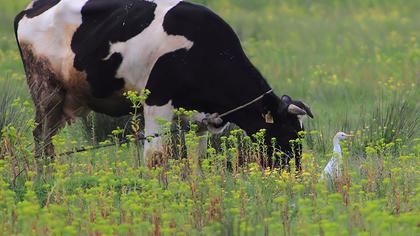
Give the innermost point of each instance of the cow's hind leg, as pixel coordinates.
(48, 97)
(49, 116)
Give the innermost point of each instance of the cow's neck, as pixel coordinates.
(251, 86)
(249, 118)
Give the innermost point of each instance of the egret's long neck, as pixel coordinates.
(337, 148)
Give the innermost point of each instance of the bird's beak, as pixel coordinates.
(349, 135)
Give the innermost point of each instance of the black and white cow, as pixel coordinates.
(81, 55)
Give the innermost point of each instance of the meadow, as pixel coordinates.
(356, 63)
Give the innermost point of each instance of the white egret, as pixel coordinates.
(333, 168)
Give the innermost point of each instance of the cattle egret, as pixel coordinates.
(333, 169)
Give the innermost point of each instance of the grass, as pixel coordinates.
(356, 63)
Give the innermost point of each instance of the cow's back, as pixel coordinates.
(104, 45)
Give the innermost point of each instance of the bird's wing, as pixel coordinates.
(331, 166)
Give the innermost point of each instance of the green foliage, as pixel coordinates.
(98, 127)
(106, 192)
(13, 109)
(355, 62)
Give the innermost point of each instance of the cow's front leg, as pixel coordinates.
(153, 146)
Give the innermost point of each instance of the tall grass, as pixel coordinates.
(98, 127)
(110, 192)
(13, 108)
(7, 96)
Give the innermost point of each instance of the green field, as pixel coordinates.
(356, 63)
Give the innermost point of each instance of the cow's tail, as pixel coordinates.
(16, 25)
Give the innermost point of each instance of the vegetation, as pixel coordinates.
(357, 64)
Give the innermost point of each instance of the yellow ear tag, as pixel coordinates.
(269, 118)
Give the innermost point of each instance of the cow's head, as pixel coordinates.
(284, 120)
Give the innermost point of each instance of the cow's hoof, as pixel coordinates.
(155, 159)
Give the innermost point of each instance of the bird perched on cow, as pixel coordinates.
(82, 55)
(333, 168)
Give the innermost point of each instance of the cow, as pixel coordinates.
(82, 55)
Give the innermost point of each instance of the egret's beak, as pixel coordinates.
(349, 135)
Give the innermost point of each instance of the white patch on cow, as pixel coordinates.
(153, 128)
(50, 34)
(141, 52)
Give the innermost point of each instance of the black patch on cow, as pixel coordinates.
(208, 76)
(39, 7)
(105, 22)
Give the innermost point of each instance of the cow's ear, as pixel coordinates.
(286, 99)
(308, 110)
